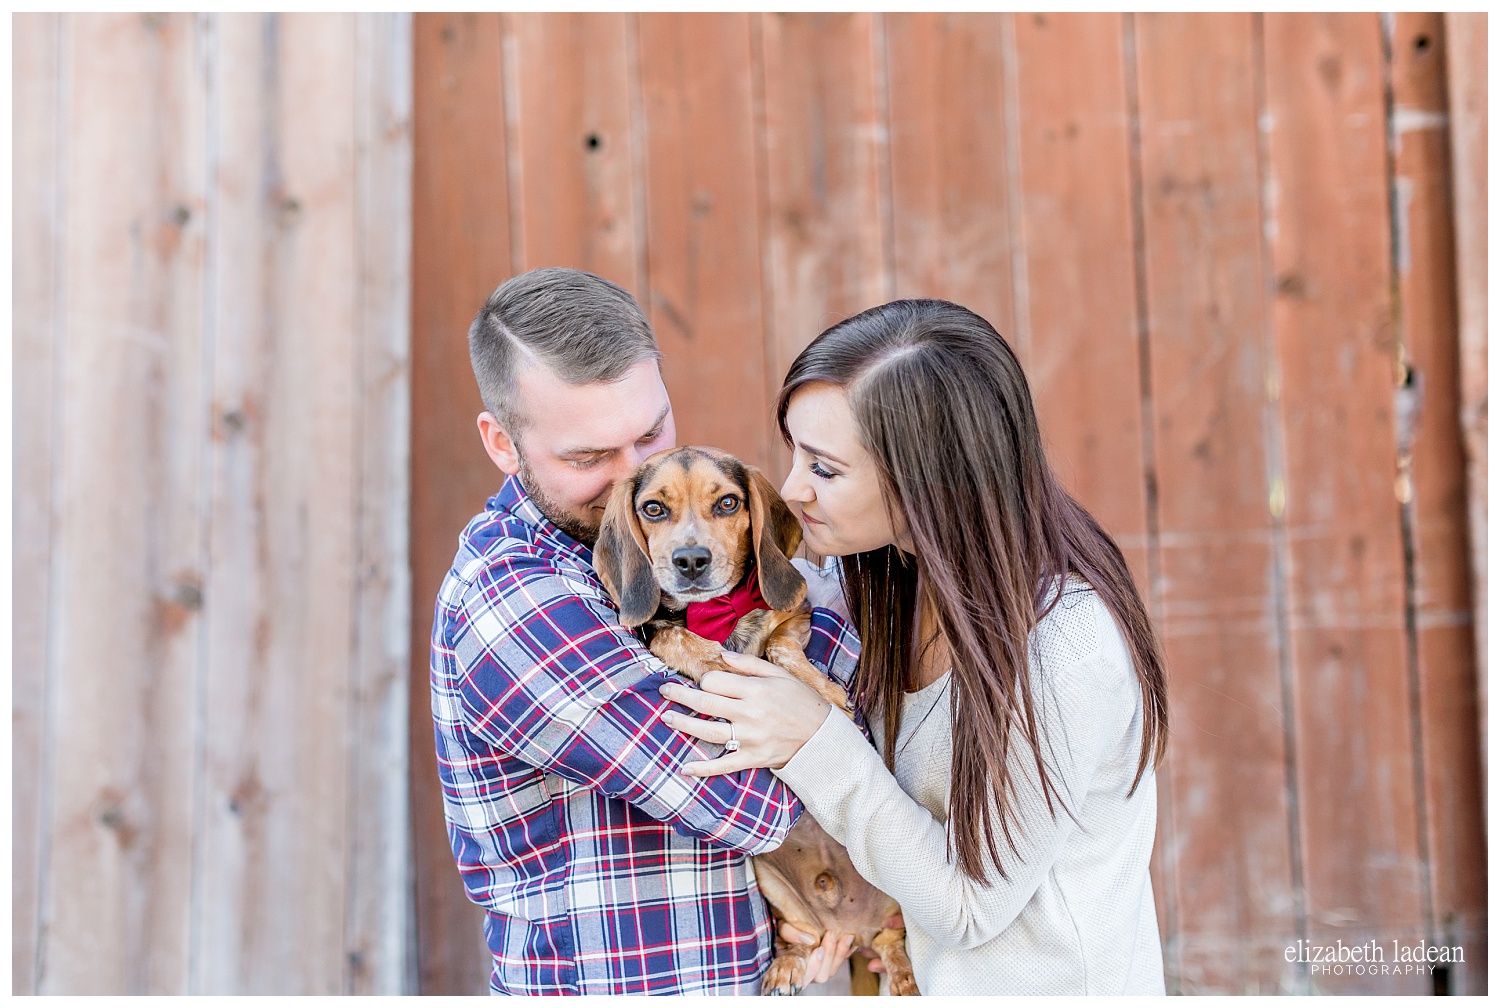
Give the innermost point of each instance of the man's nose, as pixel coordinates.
(691, 561)
(626, 463)
(636, 454)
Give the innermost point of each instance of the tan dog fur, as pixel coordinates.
(702, 497)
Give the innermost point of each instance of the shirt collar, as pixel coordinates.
(515, 501)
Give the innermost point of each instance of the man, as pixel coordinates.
(602, 869)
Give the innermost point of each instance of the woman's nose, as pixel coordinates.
(795, 489)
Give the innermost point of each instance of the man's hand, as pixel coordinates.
(834, 952)
(824, 962)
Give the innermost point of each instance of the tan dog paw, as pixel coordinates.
(890, 945)
(684, 651)
(788, 972)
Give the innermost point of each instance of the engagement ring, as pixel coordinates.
(733, 745)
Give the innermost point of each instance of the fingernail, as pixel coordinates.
(816, 959)
(668, 717)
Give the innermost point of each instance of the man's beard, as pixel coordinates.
(555, 512)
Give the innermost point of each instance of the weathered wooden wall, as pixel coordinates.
(211, 337)
(1468, 87)
(1242, 257)
(1223, 246)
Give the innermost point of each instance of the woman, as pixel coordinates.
(1013, 684)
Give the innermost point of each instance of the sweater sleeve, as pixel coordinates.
(901, 848)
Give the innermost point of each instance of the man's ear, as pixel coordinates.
(775, 535)
(622, 559)
(502, 450)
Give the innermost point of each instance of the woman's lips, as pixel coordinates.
(810, 519)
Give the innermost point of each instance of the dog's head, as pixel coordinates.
(689, 523)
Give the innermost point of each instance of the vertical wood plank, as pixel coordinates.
(318, 442)
(461, 251)
(825, 229)
(278, 746)
(236, 611)
(37, 199)
(128, 563)
(1079, 334)
(577, 150)
(378, 876)
(703, 230)
(949, 209)
(1430, 440)
(1467, 36)
(1230, 844)
(1333, 323)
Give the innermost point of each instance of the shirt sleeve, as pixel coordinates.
(833, 646)
(902, 849)
(824, 589)
(549, 677)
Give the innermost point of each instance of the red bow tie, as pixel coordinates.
(715, 619)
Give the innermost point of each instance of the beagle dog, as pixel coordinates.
(695, 550)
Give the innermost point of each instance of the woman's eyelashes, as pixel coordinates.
(817, 470)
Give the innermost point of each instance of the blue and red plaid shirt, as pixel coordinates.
(602, 869)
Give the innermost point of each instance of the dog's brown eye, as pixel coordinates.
(729, 504)
(651, 509)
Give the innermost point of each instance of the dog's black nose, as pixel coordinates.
(691, 561)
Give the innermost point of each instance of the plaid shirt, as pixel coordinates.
(603, 870)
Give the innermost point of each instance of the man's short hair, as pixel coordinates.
(581, 326)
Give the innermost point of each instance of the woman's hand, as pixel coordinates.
(772, 714)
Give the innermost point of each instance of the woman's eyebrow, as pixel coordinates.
(820, 453)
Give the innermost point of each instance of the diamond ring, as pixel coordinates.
(733, 745)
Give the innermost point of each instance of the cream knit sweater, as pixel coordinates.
(1075, 913)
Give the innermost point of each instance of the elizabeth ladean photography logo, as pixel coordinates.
(1373, 958)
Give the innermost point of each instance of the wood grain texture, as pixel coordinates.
(1337, 346)
(128, 547)
(284, 530)
(189, 318)
(1467, 41)
(1227, 855)
(379, 882)
(949, 155)
(577, 154)
(1208, 197)
(461, 251)
(37, 199)
(231, 817)
(703, 229)
(1431, 447)
(1079, 334)
(826, 214)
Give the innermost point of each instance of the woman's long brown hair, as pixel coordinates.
(942, 405)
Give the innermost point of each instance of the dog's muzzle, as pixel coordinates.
(692, 562)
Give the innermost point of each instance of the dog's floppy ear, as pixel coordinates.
(774, 535)
(622, 561)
